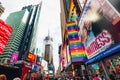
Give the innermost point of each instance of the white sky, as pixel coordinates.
(49, 19)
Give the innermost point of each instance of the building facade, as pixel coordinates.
(103, 52)
(24, 24)
(48, 54)
(72, 53)
(1, 9)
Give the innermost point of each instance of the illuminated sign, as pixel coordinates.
(103, 29)
(101, 42)
(72, 12)
(77, 51)
(31, 57)
(14, 57)
(5, 32)
(38, 60)
(3, 42)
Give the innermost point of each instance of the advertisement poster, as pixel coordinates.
(38, 60)
(14, 57)
(31, 57)
(64, 55)
(99, 26)
(68, 55)
(5, 32)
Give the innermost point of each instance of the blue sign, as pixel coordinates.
(112, 50)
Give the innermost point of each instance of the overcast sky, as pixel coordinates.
(49, 19)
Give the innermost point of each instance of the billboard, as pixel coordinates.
(31, 57)
(14, 57)
(38, 60)
(77, 51)
(64, 55)
(73, 11)
(3, 43)
(68, 55)
(5, 32)
(99, 26)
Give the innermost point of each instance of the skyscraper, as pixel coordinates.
(24, 24)
(1, 9)
(48, 53)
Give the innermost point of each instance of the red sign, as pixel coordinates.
(31, 57)
(5, 32)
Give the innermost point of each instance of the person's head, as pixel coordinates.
(87, 24)
(17, 78)
(96, 75)
(3, 77)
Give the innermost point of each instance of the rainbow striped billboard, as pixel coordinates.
(77, 50)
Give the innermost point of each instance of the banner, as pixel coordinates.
(99, 26)
(77, 51)
(14, 57)
(5, 32)
(31, 57)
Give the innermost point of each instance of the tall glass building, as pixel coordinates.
(24, 24)
(1, 9)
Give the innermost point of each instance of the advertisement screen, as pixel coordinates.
(31, 57)
(38, 60)
(5, 32)
(64, 56)
(76, 46)
(95, 66)
(35, 68)
(3, 42)
(99, 26)
(14, 57)
(68, 55)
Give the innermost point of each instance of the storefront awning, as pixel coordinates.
(113, 49)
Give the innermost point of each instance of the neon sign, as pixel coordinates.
(31, 57)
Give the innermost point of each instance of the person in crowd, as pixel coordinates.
(3, 77)
(102, 77)
(112, 77)
(88, 34)
(96, 77)
(17, 78)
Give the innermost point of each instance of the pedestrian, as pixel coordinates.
(112, 77)
(17, 78)
(103, 78)
(96, 77)
(3, 77)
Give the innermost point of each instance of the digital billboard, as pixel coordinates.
(3, 42)
(64, 55)
(77, 51)
(31, 57)
(14, 57)
(5, 32)
(38, 60)
(99, 26)
(68, 55)
(73, 11)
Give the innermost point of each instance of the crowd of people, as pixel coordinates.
(95, 77)
(3, 77)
